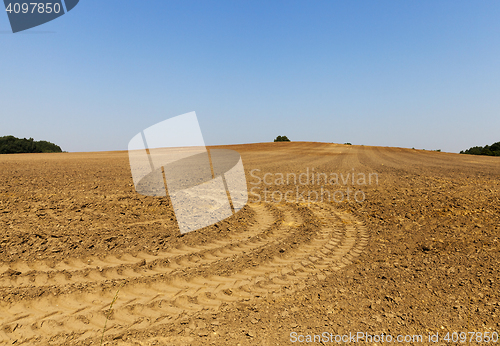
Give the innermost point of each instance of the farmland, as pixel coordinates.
(418, 254)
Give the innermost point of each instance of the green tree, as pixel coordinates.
(490, 150)
(282, 139)
(13, 145)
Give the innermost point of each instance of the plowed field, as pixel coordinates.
(412, 247)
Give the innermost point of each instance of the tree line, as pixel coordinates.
(490, 150)
(14, 145)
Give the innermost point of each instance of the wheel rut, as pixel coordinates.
(286, 245)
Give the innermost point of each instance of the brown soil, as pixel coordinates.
(419, 255)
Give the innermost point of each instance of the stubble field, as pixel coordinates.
(416, 253)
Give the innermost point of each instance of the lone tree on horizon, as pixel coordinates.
(282, 139)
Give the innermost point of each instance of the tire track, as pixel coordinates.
(258, 234)
(329, 240)
(75, 270)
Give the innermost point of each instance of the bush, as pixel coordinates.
(282, 139)
(348, 143)
(13, 145)
(490, 150)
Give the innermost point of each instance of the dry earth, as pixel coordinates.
(420, 254)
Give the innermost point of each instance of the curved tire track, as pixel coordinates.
(74, 270)
(162, 292)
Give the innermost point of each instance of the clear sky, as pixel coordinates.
(423, 74)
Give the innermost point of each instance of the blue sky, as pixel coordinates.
(423, 74)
